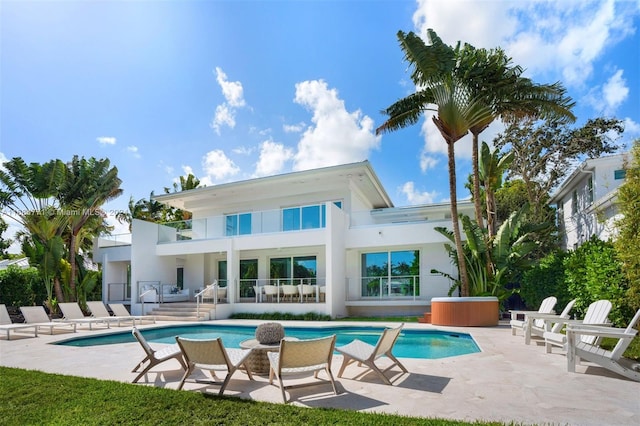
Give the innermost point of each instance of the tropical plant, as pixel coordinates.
(508, 254)
(628, 242)
(439, 88)
(492, 166)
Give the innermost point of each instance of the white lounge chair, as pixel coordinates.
(154, 357)
(298, 357)
(596, 314)
(546, 307)
(550, 322)
(119, 310)
(71, 312)
(612, 360)
(364, 353)
(211, 355)
(99, 310)
(8, 326)
(37, 316)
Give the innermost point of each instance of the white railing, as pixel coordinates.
(282, 290)
(110, 290)
(213, 288)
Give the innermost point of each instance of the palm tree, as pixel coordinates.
(439, 88)
(492, 167)
(89, 185)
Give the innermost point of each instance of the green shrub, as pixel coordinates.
(593, 272)
(21, 287)
(544, 280)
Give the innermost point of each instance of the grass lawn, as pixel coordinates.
(36, 398)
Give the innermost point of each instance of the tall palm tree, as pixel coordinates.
(89, 185)
(492, 166)
(439, 88)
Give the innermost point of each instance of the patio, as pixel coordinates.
(507, 381)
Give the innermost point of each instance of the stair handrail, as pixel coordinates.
(152, 290)
(199, 296)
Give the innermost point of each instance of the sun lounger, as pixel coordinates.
(8, 326)
(99, 310)
(36, 315)
(121, 311)
(71, 312)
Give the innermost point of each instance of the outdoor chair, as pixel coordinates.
(550, 322)
(298, 357)
(211, 355)
(37, 316)
(7, 325)
(578, 349)
(546, 307)
(154, 357)
(99, 310)
(289, 292)
(596, 314)
(71, 312)
(364, 353)
(121, 311)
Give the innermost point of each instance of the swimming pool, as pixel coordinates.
(424, 344)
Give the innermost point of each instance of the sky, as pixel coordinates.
(231, 90)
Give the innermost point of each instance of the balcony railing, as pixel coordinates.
(404, 287)
(114, 240)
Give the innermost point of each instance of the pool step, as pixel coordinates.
(425, 319)
(183, 312)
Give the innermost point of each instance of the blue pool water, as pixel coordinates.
(425, 344)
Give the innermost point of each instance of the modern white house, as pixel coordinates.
(327, 240)
(586, 201)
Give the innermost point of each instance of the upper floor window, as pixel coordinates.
(590, 190)
(305, 217)
(619, 174)
(238, 224)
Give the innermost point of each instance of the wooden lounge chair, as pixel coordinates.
(300, 357)
(8, 326)
(71, 312)
(121, 311)
(364, 353)
(578, 349)
(37, 316)
(211, 355)
(550, 322)
(596, 314)
(154, 357)
(546, 307)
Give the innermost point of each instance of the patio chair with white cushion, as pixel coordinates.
(37, 316)
(7, 325)
(211, 355)
(364, 353)
(154, 357)
(121, 311)
(299, 357)
(612, 360)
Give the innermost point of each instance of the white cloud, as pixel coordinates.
(615, 92)
(106, 140)
(554, 40)
(218, 167)
(336, 135)
(133, 150)
(243, 150)
(232, 91)
(415, 197)
(631, 129)
(427, 161)
(293, 128)
(273, 157)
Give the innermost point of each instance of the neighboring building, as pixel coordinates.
(586, 201)
(22, 263)
(332, 231)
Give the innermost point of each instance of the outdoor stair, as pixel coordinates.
(425, 319)
(177, 311)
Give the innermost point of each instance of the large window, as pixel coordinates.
(590, 190)
(238, 224)
(305, 217)
(392, 273)
(293, 270)
(248, 277)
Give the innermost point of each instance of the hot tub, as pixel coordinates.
(465, 311)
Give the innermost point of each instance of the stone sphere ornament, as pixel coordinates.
(269, 333)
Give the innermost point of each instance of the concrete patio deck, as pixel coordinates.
(507, 381)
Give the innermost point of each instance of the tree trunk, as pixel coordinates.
(476, 181)
(462, 266)
(57, 290)
(72, 267)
